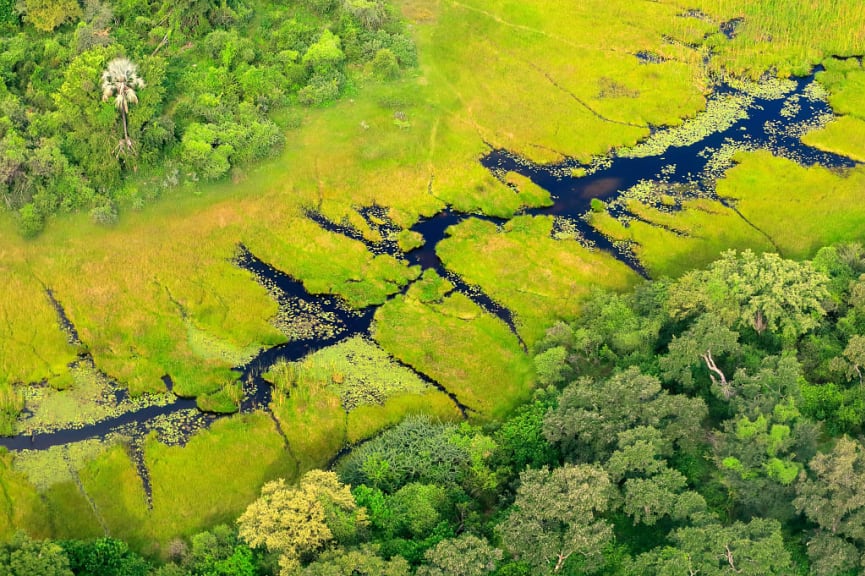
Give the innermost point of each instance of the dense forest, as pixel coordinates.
(705, 425)
(190, 90)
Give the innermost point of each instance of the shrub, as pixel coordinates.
(30, 221)
(385, 65)
(321, 88)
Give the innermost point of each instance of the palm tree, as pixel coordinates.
(120, 80)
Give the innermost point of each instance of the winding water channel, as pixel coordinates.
(774, 123)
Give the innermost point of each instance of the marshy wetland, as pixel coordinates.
(409, 246)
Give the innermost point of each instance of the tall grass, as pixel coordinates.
(788, 35)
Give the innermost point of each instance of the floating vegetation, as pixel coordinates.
(177, 428)
(565, 228)
(356, 370)
(720, 159)
(55, 465)
(791, 107)
(767, 88)
(815, 92)
(91, 398)
(301, 319)
(721, 113)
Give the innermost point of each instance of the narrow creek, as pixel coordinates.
(772, 122)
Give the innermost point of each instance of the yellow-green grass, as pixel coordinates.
(212, 478)
(20, 505)
(70, 513)
(538, 278)
(468, 351)
(356, 370)
(487, 73)
(366, 421)
(845, 81)
(112, 483)
(845, 136)
(671, 243)
(520, 70)
(800, 208)
(789, 36)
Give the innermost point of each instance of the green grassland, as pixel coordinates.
(800, 209)
(670, 243)
(539, 278)
(158, 293)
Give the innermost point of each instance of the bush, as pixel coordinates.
(30, 221)
(105, 214)
(385, 65)
(321, 88)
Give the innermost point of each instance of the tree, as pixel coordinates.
(706, 342)
(556, 516)
(218, 552)
(834, 499)
(46, 15)
(763, 292)
(753, 549)
(120, 80)
(652, 489)
(22, 556)
(104, 557)
(591, 413)
(293, 521)
(417, 449)
(359, 562)
(467, 555)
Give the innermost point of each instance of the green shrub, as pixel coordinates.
(385, 65)
(30, 221)
(321, 88)
(105, 214)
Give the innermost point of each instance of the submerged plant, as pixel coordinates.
(120, 80)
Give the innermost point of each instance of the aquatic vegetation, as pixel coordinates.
(721, 113)
(91, 397)
(58, 464)
(356, 370)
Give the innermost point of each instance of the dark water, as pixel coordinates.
(685, 165)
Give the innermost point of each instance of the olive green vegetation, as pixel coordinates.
(669, 243)
(799, 208)
(356, 370)
(537, 277)
(455, 342)
(845, 81)
(789, 37)
(158, 293)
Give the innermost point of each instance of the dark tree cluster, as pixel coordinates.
(171, 91)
